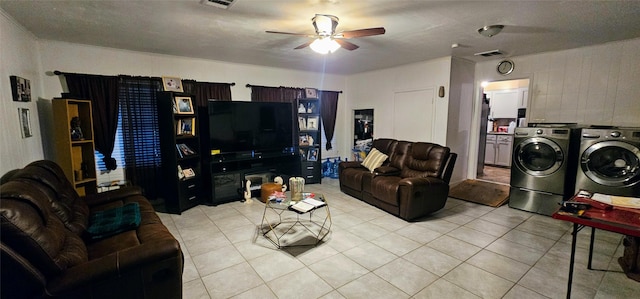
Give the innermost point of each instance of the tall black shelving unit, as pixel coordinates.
(309, 139)
(182, 171)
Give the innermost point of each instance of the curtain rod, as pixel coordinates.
(58, 73)
(249, 86)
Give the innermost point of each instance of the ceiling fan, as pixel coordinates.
(327, 40)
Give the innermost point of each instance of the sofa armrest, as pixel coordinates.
(146, 256)
(421, 196)
(386, 171)
(113, 195)
(349, 164)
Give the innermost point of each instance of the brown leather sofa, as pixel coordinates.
(411, 183)
(45, 252)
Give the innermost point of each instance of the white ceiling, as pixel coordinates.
(416, 30)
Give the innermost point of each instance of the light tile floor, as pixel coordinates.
(463, 251)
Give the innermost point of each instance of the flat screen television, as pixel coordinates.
(241, 127)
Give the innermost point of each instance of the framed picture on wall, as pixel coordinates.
(184, 105)
(172, 84)
(20, 89)
(25, 122)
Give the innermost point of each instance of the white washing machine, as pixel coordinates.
(609, 161)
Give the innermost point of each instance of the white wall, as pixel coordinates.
(18, 57)
(376, 90)
(460, 114)
(595, 85)
(590, 85)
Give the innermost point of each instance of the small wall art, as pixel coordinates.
(25, 122)
(20, 89)
(172, 84)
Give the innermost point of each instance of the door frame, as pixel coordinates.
(475, 123)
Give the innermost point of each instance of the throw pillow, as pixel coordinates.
(374, 159)
(106, 223)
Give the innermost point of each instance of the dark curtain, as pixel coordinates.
(102, 91)
(328, 111)
(140, 139)
(281, 95)
(202, 93)
(266, 94)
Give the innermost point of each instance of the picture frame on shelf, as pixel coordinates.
(303, 154)
(311, 92)
(25, 122)
(184, 150)
(186, 126)
(20, 89)
(184, 105)
(188, 173)
(302, 123)
(312, 123)
(312, 155)
(172, 84)
(303, 140)
(311, 108)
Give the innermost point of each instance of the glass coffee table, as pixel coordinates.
(286, 227)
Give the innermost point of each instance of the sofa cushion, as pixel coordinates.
(66, 204)
(425, 160)
(29, 227)
(385, 188)
(374, 159)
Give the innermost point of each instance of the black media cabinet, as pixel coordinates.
(228, 172)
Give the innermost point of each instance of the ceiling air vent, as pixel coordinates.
(489, 53)
(224, 4)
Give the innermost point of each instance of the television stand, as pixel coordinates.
(229, 174)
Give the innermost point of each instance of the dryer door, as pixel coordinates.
(612, 163)
(538, 156)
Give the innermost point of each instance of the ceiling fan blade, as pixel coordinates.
(291, 33)
(303, 45)
(346, 45)
(362, 32)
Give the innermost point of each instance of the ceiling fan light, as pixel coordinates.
(325, 24)
(490, 30)
(324, 45)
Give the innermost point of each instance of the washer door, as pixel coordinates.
(612, 163)
(538, 156)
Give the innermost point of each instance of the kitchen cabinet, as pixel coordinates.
(498, 150)
(490, 150)
(505, 103)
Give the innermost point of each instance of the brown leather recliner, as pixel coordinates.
(46, 253)
(414, 182)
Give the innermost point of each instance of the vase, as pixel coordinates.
(296, 185)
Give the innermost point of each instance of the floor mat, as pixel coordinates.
(481, 192)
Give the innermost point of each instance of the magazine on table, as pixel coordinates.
(307, 205)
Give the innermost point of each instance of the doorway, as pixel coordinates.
(362, 133)
(504, 105)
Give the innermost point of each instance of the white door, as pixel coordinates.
(414, 115)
